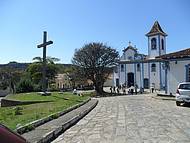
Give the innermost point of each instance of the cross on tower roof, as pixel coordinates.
(129, 43)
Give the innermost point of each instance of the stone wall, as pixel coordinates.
(8, 102)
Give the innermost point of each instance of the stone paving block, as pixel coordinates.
(134, 119)
(120, 131)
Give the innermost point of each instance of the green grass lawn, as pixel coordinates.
(58, 102)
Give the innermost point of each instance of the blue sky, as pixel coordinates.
(73, 23)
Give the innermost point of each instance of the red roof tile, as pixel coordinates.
(175, 55)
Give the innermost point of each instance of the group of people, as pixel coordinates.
(131, 90)
(115, 89)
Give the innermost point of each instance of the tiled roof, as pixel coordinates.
(176, 55)
(156, 29)
(141, 61)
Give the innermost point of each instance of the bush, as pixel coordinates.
(37, 87)
(29, 127)
(52, 88)
(54, 116)
(25, 85)
(18, 110)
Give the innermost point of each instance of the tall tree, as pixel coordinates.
(9, 78)
(95, 61)
(75, 78)
(35, 70)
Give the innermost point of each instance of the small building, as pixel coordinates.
(62, 81)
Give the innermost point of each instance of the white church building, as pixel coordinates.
(158, 69)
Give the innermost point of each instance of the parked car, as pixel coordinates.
(183, 93)
(8, 136)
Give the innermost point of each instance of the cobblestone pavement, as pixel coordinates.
(131, 119)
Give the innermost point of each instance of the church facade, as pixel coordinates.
(154, 69)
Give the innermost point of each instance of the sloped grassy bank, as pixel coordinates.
(16, 116)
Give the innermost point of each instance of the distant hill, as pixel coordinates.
(65, 65)
(23, 66)
(15, 65)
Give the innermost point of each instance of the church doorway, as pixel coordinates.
(130, 79)
(146, 83)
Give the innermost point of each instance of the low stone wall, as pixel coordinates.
(8, 102)
(63, 127)
(34, 124)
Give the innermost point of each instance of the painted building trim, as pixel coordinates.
(143, 75)
(159, 45)
(125, 73)
(149, 73)
(125, 66)
(166, 76)
(186, 72)
(135, 74)
(148, 47)
(160, 72)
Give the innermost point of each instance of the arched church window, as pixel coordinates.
(162, 44)
(138, 67)
(153, 68)
(153, 43)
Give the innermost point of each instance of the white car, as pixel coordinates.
(183, 93)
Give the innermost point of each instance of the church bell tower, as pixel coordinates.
(156, 41)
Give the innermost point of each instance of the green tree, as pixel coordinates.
(95, 61)
(75, 77)
(25, 85)
(9, 78)
(35, 70)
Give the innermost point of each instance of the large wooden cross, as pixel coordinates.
(44, 45)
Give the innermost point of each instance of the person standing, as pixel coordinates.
(136, 86)
(118, 90)
(132, 90)
(124, 91)
(152, 88)
(111, 89)
(114, 89)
